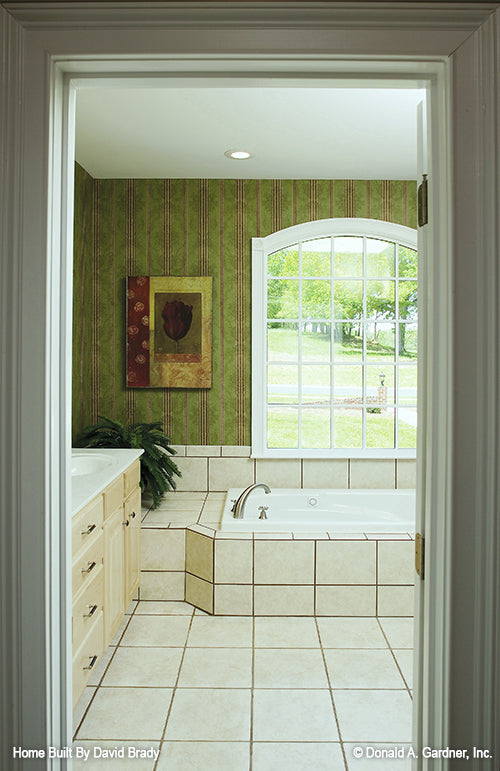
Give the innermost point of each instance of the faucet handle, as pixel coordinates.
(263, 510)
(233, 501)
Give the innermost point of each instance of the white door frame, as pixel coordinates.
(44, 43)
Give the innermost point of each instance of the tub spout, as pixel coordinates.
(239, 503)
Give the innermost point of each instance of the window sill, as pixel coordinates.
(375, 454)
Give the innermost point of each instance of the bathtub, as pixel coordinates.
(319, 511)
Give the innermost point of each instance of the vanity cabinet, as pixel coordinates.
(114, 573)
(106, 569)
(132, 519)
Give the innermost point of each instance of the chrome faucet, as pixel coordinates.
(237, 508)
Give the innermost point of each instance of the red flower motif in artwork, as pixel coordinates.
(138, 354)
(177, 318)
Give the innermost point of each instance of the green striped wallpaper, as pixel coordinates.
(84, 347)
(190, 227)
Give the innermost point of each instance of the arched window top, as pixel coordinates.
(337, 226)
(334, 340)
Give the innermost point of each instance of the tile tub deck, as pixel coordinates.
(185, 556)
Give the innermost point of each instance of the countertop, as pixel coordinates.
(85, 487)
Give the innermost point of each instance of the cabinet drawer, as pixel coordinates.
(86, 524)
(132, 477)
(86, 563)
(87, 606)
(113, 496)
(86, 657)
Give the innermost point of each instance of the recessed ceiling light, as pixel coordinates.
(238, 155)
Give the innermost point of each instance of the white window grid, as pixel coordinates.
(400, 236)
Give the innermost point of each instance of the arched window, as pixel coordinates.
(334, 340)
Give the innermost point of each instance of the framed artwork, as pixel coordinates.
(169, 331)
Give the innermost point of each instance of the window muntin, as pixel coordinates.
(339, 327)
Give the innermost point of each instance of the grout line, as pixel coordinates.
(383, 633)
(200, 578)
(127, 742)
(126, 626)
(243, 688)
(174, 689)
(253, 576)
(394, 655)
(75, 730)
(252, 571)
(185, 564)
(315, 565)
(407, 687)
(252, 693)
(198, 521)
(331, 693)
(213, 576)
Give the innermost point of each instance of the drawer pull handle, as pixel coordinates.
(92, 661)
(91, 566)
(91, 612)
(133, 515)
(126, 523)
(88, 531)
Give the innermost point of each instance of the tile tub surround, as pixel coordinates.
(324, 574)
(299, 577)
(216, 468)
(248, 693)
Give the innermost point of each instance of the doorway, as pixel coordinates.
(372, 85)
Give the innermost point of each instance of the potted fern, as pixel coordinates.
(157, 467)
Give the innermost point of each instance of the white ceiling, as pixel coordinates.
(293, 133)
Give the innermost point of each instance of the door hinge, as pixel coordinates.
(419, 555)
(423, 211)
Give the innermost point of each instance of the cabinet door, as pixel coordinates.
(132, 544)
(114, 562)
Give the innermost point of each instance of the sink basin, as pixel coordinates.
(91, 463)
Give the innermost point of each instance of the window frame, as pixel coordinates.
(261, 248)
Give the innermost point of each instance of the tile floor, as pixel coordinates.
(248, 694)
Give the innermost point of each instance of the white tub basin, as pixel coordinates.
(84, 464)
(313, 511)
